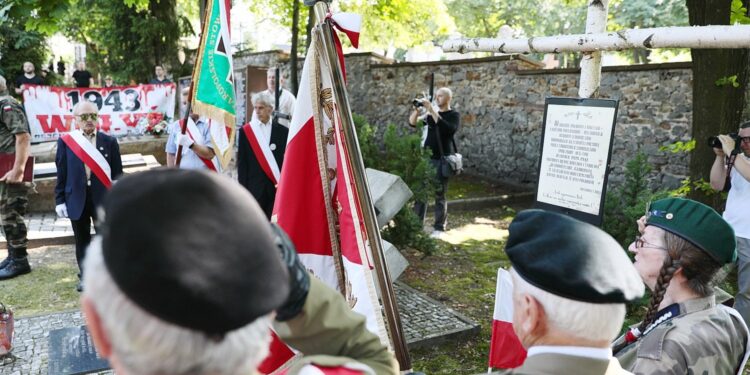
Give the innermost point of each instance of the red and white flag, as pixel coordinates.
(506, 350)
(316, 200)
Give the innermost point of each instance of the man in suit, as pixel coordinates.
(261, 153)
(571, 281)
(87, 163)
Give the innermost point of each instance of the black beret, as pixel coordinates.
(192, 248)
(571, 259)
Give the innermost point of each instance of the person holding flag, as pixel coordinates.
(197, 151)
(212, 317)
(88, 161)
(260, 153)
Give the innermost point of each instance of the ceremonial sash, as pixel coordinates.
(195, 134)
(89, 155)
(262, 152)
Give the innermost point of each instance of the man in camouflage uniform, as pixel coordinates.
(14, 139)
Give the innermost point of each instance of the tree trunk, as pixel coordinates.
(295, 46)
(308, 28)
(717, 109)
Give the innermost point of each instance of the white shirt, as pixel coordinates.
(576, 351)
(737, 213)
(286, 106)
(265, 129)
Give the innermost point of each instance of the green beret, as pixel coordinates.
(571, 259)
(697, 223)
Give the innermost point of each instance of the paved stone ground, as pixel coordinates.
(425, 321)
(45, 229)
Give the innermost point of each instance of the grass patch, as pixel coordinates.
(462, 276)
(465, 186)
(48, 288)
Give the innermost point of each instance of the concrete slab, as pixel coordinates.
(396, 262)
(389, 194)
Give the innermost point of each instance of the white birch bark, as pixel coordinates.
(737, 36)
(591, 63)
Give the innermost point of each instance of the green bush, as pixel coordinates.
(402, 154)
(626, 203)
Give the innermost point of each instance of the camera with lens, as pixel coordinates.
(714, 141)
(417, 102)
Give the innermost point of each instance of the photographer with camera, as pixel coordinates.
(731, 172)
(442, 124)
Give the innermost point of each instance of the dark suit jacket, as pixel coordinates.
(71, 175)
(249, 173)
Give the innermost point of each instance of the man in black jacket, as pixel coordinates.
(261, 152)
(442, 123)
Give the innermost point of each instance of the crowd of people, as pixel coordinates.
(81, 77)
(217, 280)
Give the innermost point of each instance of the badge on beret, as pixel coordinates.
(272, 146)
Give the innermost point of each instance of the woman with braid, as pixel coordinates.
(682, 245)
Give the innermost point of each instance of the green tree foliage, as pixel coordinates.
(386, 23)
(17, 45)
(400, 23)
(403, 156)
(36, 15)
(128, 38)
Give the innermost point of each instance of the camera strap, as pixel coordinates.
(730, 164)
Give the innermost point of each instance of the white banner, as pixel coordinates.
(122, 110)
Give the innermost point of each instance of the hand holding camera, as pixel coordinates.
(725, 144)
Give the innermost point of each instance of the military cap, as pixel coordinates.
(571, 259)
(192, 248)
(697, 223)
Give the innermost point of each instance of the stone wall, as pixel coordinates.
(501, 100)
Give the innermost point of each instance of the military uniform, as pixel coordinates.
(332, 336)
(573, 261)
(13, 197)
(555, 363)
(702, 338)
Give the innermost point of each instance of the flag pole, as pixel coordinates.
(189, 107)
(387, 294)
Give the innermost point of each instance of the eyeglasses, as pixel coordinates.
(89, 116)
(640, 243)
(745, 139)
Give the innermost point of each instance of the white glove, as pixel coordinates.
(62, 210)
(184, 140)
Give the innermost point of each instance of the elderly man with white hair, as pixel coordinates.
(260, 153)
(178, 301)
(15, 140)
(87, 161)
(571, 281)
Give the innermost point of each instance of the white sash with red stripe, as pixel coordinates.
(195, 134)
(89, 155)
(260, 146)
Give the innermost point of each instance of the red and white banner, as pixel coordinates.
(89, 155)
(195, 134)
(122, 110)
(506, 350)
(316, 200)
